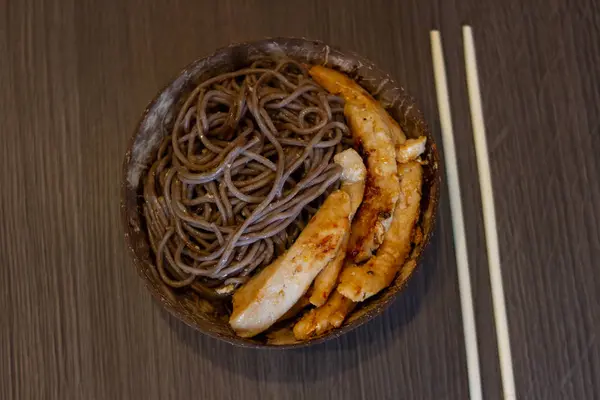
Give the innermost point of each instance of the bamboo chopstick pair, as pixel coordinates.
(489, 218)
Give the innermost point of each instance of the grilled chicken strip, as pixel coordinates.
(353, 184)
(267, 296)
(372, 131)
(359, 282)
(411, 149)
(320, 320)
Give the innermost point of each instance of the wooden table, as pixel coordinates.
(76, 321)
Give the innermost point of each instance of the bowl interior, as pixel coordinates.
(210, 317)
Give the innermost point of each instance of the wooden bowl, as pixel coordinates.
(209, 317)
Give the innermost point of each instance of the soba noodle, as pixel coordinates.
(248, 161)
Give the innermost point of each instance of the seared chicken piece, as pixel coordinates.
(372, 131)
(353, 179)
(385, 264)
(398, 137)
(338, 83)
(327, 279)
(280, 290)
(320, 320)
(359, 282)
(411, 149)
(298, 307)
(267, 296)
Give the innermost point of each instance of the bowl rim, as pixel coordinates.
(384, 304)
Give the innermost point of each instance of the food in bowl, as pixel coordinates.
(288, 189)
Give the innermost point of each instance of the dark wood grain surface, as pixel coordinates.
(76, 321)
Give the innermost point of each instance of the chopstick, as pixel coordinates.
(458, 224)
(489, 216)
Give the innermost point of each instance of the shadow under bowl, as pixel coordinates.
(210, 317)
